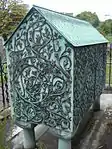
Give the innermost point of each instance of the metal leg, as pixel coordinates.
(64, 144)
(29, 138)
(96, 106)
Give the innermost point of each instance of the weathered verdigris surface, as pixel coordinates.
(89, 78)
(54, 78)
(40, 74)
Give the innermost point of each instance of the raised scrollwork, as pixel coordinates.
(41, 67)
(89, 78)
(40, 74)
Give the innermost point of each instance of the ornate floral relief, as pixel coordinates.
(40, 74)
(100, 70)
(89, 78)
(40, 68)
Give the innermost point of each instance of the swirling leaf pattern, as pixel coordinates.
(89, 78)
(40, 74)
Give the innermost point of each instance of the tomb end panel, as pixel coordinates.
(40, 70)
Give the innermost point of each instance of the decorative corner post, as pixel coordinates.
(96, 106)
(29, 138)
(64, 144)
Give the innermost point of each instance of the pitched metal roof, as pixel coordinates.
(77, 32)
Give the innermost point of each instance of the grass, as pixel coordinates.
(107, 74)
(41, 145)
(2, 134)
(109, 68)
(6, 127)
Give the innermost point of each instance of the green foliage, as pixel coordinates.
(90, 17)
(11, 13)
(109, 38)
(107, 74)
(105, 28)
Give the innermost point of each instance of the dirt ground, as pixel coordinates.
(106, 139)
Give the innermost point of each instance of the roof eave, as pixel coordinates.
(19, 25)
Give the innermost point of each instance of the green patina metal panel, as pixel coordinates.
(89, 78)
(100, 58)
(77, 32)
(53, 79)
(39, 64)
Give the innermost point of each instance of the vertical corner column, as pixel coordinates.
(64, 144)
(29, 138)
(96, 106)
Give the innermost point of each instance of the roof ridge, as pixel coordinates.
(77, 32)
(61, 14)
